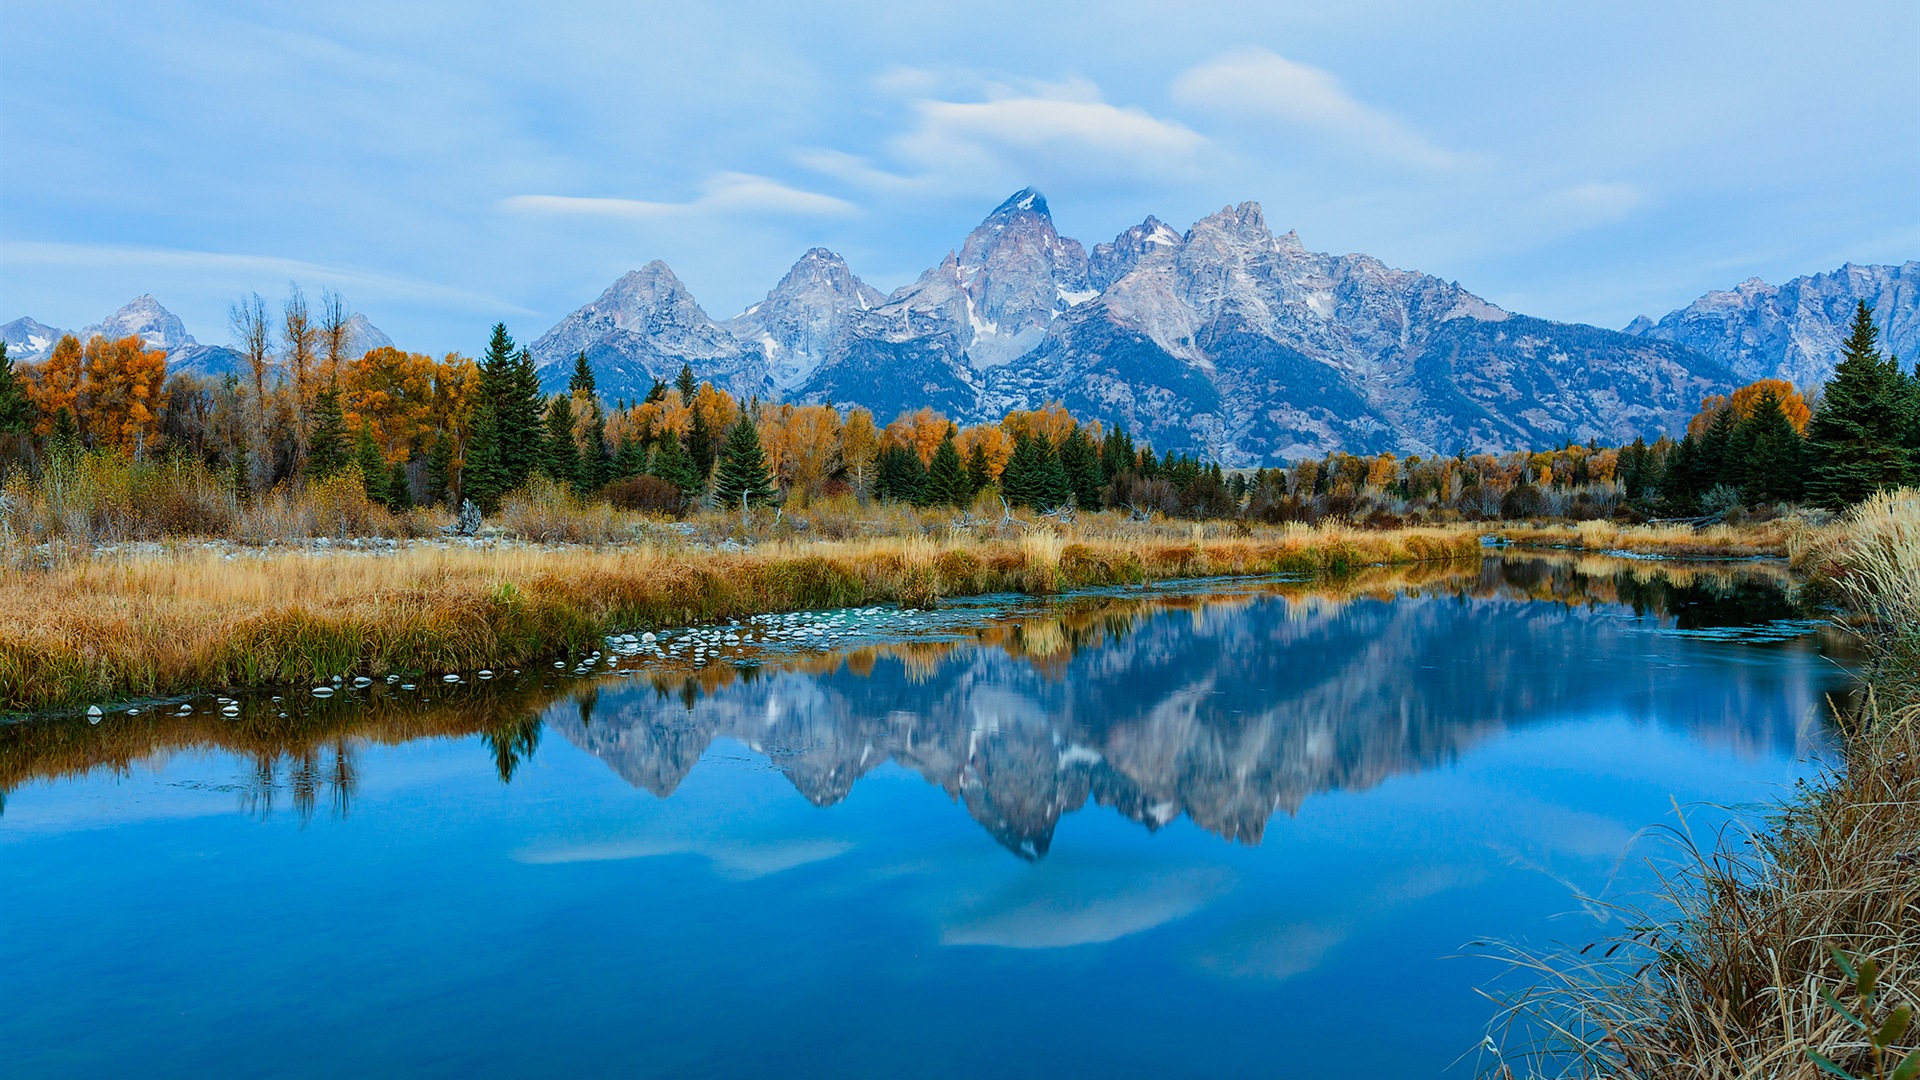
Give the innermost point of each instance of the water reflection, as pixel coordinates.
(1223, 704)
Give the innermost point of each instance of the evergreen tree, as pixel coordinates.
(440, 487)
(946, 477)
(399, 487)
(900, 476)
(327, 447)
(700, 447)
(979, 469)
(630, 461)
(481, 479)
(742, 479)
(1713, 453)
(64, 439)
(1020, 481)
(522, 437)
(1677, 492)
(1116, 454)
(562, 457)
(581, 381)
(1633, 470)
(596, 463)
(1856, 441)
(1771, 453)
(685, 384)
(672, 464)
(371, 463)
(16, 412)
(1080, 463)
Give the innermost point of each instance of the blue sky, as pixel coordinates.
(446, 165)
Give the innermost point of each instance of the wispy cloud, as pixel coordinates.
(721, 195)
(237, 267)
(1262, 84)
(982, 134)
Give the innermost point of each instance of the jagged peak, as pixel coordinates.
(1246, 220)
(1026, 199)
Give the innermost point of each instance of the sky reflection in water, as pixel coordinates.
(1171, 834)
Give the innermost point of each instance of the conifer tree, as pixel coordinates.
(900, 476)
(16, 412)
(1080, 461)
(685, 383)
(399, 487)
(672, 464)
(1677, 493)
(979, 469)
(1770, 453)
(1021, 481)
(741, 478)
(327, 446)
(1116, 454)
(1856, 441)
(630, 461)
(946, 477)
(371, 463)
(1054, 486)
(440, 480)
(481, 479)
(563, 457)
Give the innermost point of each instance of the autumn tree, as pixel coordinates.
(335, 327)
(121, 392)
(859, 448)
(392, 394)
(248, 318)
(53, 385)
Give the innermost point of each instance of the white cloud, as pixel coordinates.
(1013, 132)
(1084, 906)
(1262, 84)
(736, 860)
(724, 194)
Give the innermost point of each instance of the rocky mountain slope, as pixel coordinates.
(1793, 331)
(1224, 339)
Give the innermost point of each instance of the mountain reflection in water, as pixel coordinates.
(1221, 702)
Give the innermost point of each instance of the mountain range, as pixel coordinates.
(1224, 339)
(29, 340)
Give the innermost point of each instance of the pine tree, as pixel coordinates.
(522, 436)
(563, 457)
(16, 412)
(700, 446)
(1856, 441)
(979, 469)
(900, 476)
(1772, 454)
(481, 479)
(440, 486)
(946, 477)
(581, 382)
(630, 461)
(1054, 487)
(742, 479)
(1677, 493)
(1116, 454)
(1021, 481)
(1080, 461)
(371, 463)
(685, 384)
(672, 464)
(327, 446)
(399, 487)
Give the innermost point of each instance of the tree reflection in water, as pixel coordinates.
(1224, 704)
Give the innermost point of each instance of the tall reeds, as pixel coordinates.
(1793, 952)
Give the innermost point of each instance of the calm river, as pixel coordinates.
(1222, 829)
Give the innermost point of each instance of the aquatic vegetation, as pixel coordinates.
(1731, 971)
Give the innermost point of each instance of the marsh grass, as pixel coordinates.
(188, 618)
(1748, 961)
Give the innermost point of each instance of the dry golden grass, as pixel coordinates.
(1778, 537)
(1744, 972)
(188, 618)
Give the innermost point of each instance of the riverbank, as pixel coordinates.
(178, 618)
(1791, 953)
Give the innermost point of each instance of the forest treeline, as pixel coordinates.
(409, 430)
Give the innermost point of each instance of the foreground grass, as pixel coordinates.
(97, 630)
(1780, 537)
(1795, 953)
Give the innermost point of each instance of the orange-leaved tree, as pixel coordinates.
(120, 395)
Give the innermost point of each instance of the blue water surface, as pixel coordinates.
(1236, 830)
